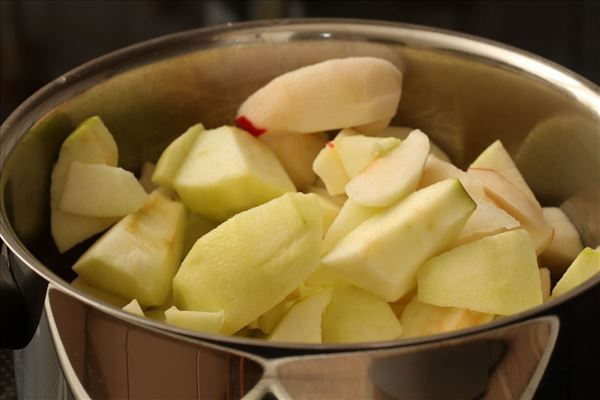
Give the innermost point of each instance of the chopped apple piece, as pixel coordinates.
(199, 321)
(263, 253)
(354, 315)
(349, 217)
(334, 94)
(497, 275)
(269, 320)
(546, 284)
(145, 180)
(392, 176)
(401, 132)
(356, 152)
(173, 156)
(99, 294)
(98, 190)
(322, 277)
(437, 170)
(517, 204)
(496, 158)
(330, 210)
(228, 171)
(196, 227)
(565, 245)
(420, 319)
(485, 221)
(302, 323)
(339, 199)
(91, 143)
(585, 266)
(330, 169)
(296, 153)
(382, 254)
(138, 257)
(133, 307)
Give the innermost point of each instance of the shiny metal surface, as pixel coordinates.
(106, 357)
(464, 92)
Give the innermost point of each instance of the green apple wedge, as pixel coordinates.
(495, 157)
(296, 153)
(392, 176)
(382, 254)
(90, 143)
(138, 257)
(228, 171)
(356, 152)
(497, 275)
(420, 319)
(333, 94)
(252, 261)
(98, 190)
(349, 217)
(565, 245)
(354, 315)
(173, 156)
(302, 323)
(585, 266)
(198, 321)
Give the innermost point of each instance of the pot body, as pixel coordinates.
(463, 92)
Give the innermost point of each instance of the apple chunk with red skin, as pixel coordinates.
(333, 94)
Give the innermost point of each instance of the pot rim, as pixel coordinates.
(14, 128)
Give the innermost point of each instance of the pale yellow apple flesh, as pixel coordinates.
(382, 254)
(356, 152)
(302, 323)
(495, 157)
(401, 132)
(354, 315)
(421, 319)
(584, 267)
(133, 307)
(436, 170)
(269, 320)
(228, 171)
(198, 321)
(322, 277)
(497, 275)
(546, 283)
(392, 176)
(339, 199)
(99, 190)
(334, 94)
(330, 210)
(196, 227)
(373, 127)
(565, 245)
(138, 257)
(145, 179)
(517, 204)
(296, 153)
(330, 170)
(252, 261)
(349, 217)
(173, 156)
(486, 220)
(90, 143)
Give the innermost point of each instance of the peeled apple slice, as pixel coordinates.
(354, 315)
(496, 158)
(585, 266)
(328, 166)
(421, 319)
(497, 275)
(252, 261)
(333, 94)
(138, 257)
(392, 176)
(401, 132)
(302, 323)
(349, 217)
(90, 143)
(99, 190)
(566, 243)
(436, 170)
(173, 156)
(199, 321)
(486, 220)
(356, 152)
(517, 204)
(228, 171)
(382, 254)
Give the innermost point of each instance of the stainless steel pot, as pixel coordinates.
(464, 92)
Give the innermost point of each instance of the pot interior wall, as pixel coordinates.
(463, 102)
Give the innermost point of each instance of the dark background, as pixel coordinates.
(40, 40)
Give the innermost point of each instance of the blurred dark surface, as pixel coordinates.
(39, 40)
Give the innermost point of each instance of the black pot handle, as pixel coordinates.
(22, 294)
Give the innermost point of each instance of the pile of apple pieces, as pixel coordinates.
(391, 240)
